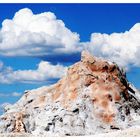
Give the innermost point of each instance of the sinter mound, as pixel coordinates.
(94, 97)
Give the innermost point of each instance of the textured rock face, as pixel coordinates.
(94, 97)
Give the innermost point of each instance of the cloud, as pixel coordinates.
(1, 65)
(14, 94)
(122, 48)
(44, 72)
(29, 34)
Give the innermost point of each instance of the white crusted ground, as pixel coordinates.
(54, 120)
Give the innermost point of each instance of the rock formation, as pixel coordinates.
(94, 97)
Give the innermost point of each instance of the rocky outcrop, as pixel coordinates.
(94, 97)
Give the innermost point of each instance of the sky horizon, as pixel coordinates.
(39, 41)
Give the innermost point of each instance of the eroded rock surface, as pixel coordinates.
(94, 97)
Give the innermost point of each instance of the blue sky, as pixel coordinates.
(84, 20)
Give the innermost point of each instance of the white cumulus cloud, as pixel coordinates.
(29, 34)
(122, 48)
(44, 72)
